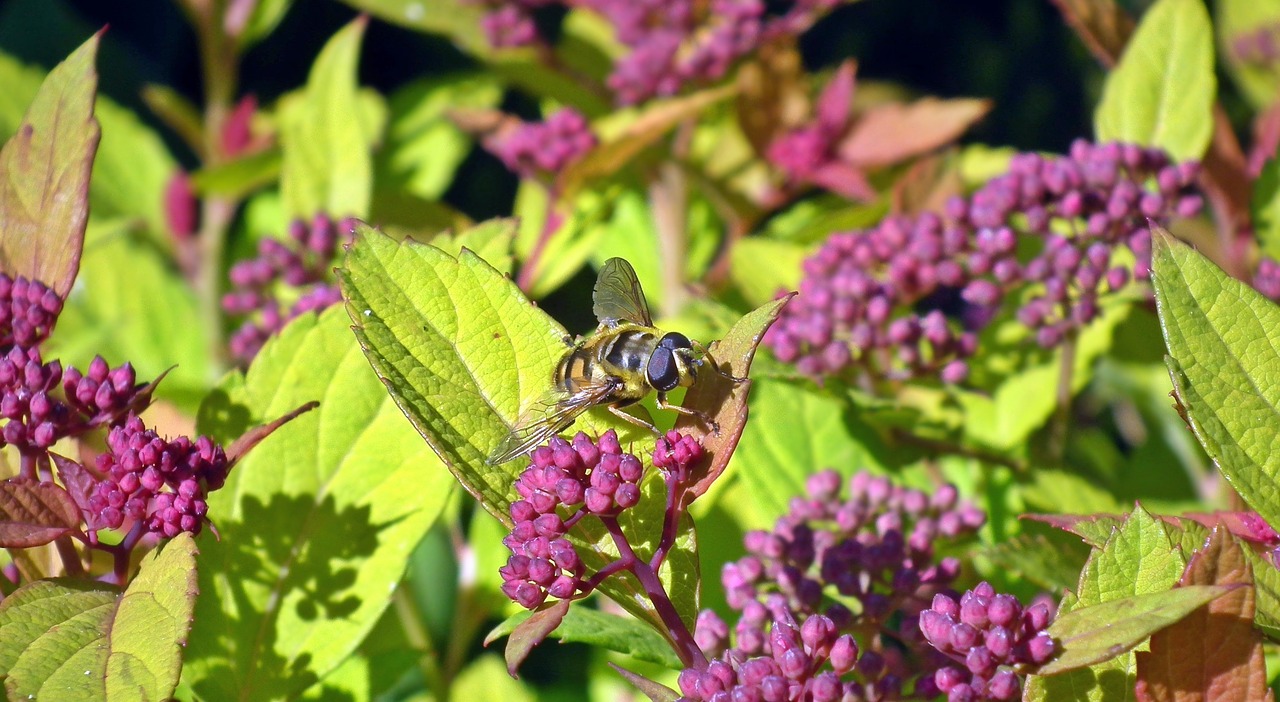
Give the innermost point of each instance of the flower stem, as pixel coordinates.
(681, 639)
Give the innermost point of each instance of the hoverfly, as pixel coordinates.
(617, 366)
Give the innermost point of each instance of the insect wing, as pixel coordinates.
(617, 296)
(550, 415)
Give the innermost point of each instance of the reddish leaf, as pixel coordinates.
(891, 133)
(34, 513)
(77, 480)
(724, 399)
(1266, 138)
(836, 100)
(254, 436)
(44, 175)
(926, 186)
(1102, 25)
(532, 632)
(843, 180)
(1214, 653)
(656, 692)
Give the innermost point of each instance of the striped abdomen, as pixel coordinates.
(619, 357)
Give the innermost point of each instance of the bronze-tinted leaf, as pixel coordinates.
(44, 175)
(33, 513)
(1213, 654)
(532, 632)
(722, 398)
(893, 132)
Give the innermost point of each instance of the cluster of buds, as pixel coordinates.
(990, 637)
(161, 483)
(154, 483)
(287, 279)
(584, 477)
(540, 150)
(567, 481)
(28, 310)
(800, 662)
(906, 298)
(875, 547)
(669, 43)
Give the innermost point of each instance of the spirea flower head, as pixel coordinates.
(905, 299)
(543, 149)
(34, 417)
(804, 662)
(287, 279)
(874, 547)
(991, 640)
(582, 476)
(668, 43)
(28, 311)
(159, 482)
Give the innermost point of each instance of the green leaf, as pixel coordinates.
(1090, 635)
(325, 136)
(131, 172)
(1139, 559)
(1244, 21)
(68, 639)
(132, 316)
(490, 240)
(151, 622)
(265, 15)
(794, 431)
(1265, 208)
(1223, 358)
(52, 624)
(1051, 565)
(237, 179)
(485, 678)
(44, 175)
(465, 354)
(609, 631)
(34, 513)
(761, 268)
(424, 147)
(586, 221)
(341, 495)
(1162, 92)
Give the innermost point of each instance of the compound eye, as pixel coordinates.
(662, 371)
(675, 340)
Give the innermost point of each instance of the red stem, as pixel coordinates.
(678, 634)
(550, 225)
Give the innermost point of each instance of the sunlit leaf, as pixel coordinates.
(1162, 92)
(1224, 361)
(327, 163)
(71, 639)
(44, 175)
(341, 494)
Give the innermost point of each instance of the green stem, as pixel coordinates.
(411, 622)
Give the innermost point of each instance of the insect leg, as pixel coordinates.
(706, 418)
(634, 419)
(715, 365)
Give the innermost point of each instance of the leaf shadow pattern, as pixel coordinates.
(282, 572)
